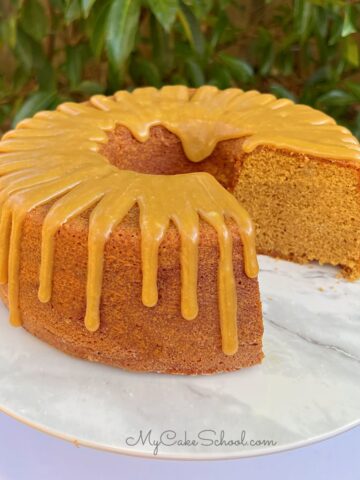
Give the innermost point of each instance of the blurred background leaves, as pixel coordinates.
(56, 50)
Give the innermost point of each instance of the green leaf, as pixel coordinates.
(59, 5)
(8, 30)
(352, 51)
(354, 89)
(323, 74)
(220, 77)
(74, 64)
(201, 8)
(86, 6)
(165, 11)
(34, 20)
(336, 31)
(303, 11)
(225, 3)
(348, 26)
(239, 69)
(115, 78)
(161, 50)
(145, 72)
(282, 92)
(73, 11)
(218, 30)
(19, 79)
(76, 57)
(285, 63)
(336, 98)
(265, 51)
(191, 28)
(338, 70)
(34, 103)
(121, 30)
(322, 22)
(46, 76)
(23, 50)
(194, 73)
(98, 27)
(182, 50)
(4, 112)
(178, 79)
(89, 87)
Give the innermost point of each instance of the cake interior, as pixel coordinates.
(304, 208)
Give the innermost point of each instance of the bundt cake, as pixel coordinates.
(122, 235)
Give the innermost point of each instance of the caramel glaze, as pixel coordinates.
(75, 177)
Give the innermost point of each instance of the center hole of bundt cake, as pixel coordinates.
(163, 154)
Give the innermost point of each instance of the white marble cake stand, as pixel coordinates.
(307, 389)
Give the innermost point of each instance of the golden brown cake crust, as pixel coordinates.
(132, 336)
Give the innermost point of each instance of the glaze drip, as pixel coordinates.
(34, 170)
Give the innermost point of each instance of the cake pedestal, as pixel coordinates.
(307, 388)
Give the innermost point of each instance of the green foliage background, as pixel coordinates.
(55, 50)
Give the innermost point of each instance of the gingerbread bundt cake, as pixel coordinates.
(121, 237)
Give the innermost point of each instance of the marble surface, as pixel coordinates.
(307, 388)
